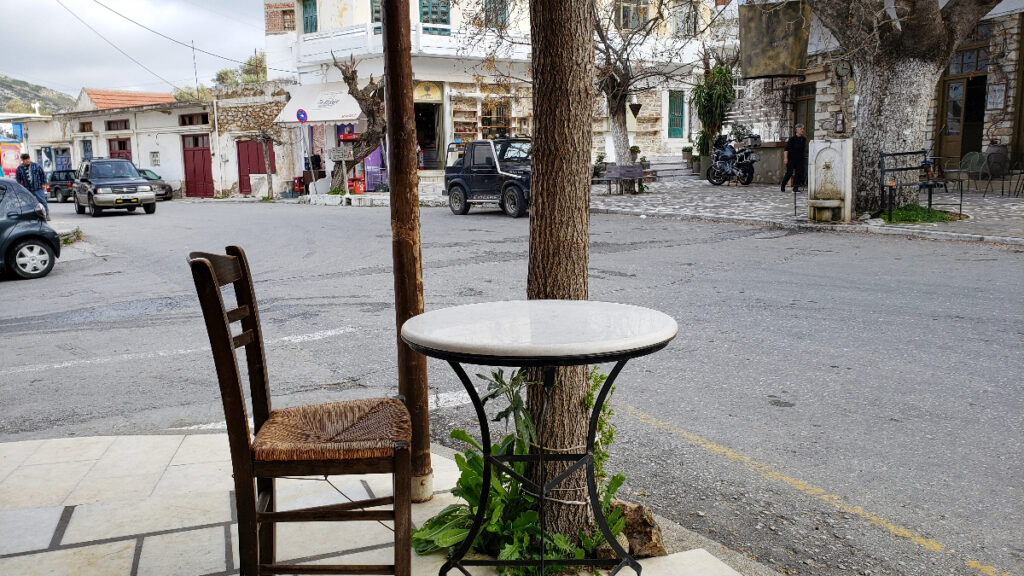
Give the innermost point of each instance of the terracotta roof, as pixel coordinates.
(107, 99)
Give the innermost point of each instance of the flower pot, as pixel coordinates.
(687, 155)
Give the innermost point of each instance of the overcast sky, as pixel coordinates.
(46, 45)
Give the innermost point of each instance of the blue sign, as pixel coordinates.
(301, 115)
(18, 130)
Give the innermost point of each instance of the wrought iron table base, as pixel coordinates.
(577, 459)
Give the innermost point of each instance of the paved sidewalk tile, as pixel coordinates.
(27, 529)
(14, 454)
(111, 559)
(183, 553)
(41, 484)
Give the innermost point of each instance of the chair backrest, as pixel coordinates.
(997, 165)
(211, 273)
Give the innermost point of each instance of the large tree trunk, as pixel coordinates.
(563, 92)
(266, 167)
(620, 134)
(891, 117)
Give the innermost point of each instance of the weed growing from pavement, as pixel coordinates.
(912, 213)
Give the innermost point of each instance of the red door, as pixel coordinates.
(198, 172)
(250, 161)
(120, 148)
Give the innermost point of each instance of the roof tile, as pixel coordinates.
(107, 99)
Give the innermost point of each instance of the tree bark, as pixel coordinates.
(371, 103)
(563, 92)
(405, 234)
(891, 117)
(620, 134)
(266, 166)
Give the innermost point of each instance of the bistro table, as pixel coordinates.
(546, 334)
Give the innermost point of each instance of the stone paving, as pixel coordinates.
(162, 505)
(992, 217)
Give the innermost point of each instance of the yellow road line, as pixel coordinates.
(768, 473)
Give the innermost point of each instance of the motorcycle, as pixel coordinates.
(732, 164)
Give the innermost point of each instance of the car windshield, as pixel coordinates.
(514, 151)
(114, 170)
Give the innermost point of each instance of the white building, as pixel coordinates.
(461, 92)
(202, 149)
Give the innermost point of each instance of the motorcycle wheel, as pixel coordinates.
(746, 174)
(715, 176)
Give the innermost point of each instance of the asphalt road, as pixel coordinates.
(833, 404)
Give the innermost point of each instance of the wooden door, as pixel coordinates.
(675, 114)
(250, 161)
(950, 136)
(120, 148)
(198, 165)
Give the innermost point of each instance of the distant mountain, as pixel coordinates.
(49, 100)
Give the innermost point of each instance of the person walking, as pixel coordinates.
(31, 176)
(794, 158)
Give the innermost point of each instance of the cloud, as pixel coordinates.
(58, 51)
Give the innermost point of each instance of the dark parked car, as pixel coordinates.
(111, 183)
(162, 189)
(59, 183)
(489, 171)
(28, 246)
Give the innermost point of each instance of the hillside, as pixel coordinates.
(51, 100)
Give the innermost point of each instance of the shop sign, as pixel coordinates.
(426, 92)
(773, 39)
(341, 153)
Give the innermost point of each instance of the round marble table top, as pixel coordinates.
(539, 330)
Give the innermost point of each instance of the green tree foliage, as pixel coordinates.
(713, 96)
(252, 71)
(18, 106)
(227, 77)
(189, 94)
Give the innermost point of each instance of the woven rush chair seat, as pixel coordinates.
(334, 431)
(370, 436)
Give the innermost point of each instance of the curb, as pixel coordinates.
(806, 226)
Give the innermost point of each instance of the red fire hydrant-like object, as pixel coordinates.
(357, 185)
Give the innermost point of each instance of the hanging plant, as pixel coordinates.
(712, 97)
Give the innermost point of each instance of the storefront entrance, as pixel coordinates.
(428, 133)
(964, 118)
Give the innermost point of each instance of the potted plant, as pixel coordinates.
(634, 151)
(695, 163)
(687, 154)
(644, 163)
(597, 170)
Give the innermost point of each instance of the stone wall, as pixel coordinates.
(273, 16)
(1004, 69)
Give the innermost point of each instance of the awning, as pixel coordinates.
(329, 102)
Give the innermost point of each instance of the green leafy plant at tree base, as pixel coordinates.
(511, 528)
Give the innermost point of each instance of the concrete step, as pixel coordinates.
(679, 178)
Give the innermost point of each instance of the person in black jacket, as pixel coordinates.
(31, 176)
(796, 162)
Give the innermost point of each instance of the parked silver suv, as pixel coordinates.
(111, 183)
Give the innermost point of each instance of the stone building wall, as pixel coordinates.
(247, 112)
(273, 16)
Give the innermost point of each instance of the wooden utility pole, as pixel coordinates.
(563, 96)
(405, 232)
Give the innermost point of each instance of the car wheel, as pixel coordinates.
(32, 259)
(715, 176)
(94, 210)
(149, 208)
(457, 200)
(512, 201)
(79, 209)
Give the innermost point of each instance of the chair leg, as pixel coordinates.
(403, 510)
(245, 506)
(267, 530)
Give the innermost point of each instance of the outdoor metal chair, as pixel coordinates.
(968, 170)
(368, 436)
(995, 168)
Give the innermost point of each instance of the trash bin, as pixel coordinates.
(298, 187)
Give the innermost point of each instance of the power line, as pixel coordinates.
(141, 65)
(176, 41)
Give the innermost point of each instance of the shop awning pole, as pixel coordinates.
(405, 232)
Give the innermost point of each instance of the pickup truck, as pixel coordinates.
(488, 172)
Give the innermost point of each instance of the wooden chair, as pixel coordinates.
(355, 437)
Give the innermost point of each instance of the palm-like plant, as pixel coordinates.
(713, 97)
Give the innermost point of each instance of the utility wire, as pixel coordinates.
(176, 41)
(143, 66)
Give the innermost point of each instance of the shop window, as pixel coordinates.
(117, 124)
(288, 19)
(193, 119)
(85, 126)
(675, 114)
(630, 14)
(435, 16)
(496, 13)
(309, 24)
(494, 121)
(686, 18)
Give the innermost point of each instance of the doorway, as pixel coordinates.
(198, 165)
(963, 117)
(428, 133)
(251, 161)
